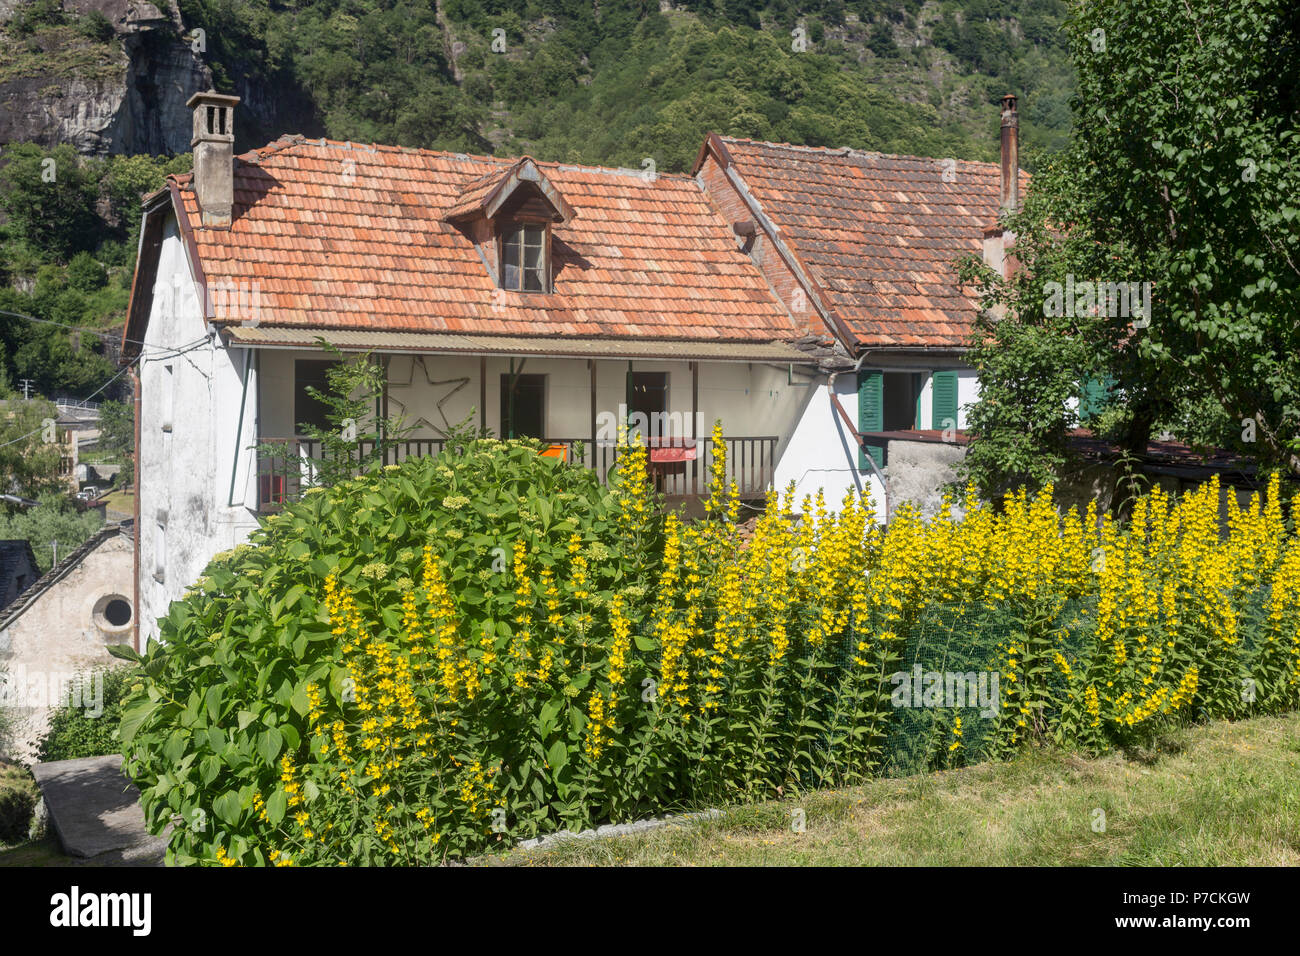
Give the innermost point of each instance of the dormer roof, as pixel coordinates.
(522, 190)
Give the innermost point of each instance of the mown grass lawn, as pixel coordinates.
(1217, 795)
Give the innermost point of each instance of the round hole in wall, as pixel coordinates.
(113, 612)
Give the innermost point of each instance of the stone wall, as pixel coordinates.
(917, 472)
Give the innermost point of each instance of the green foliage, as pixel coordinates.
(1032, 364)
(48, 198)
(75, 234)
(30, 448)
(86, 725)
(85, 274)
(227, 689)
(54, 519)
(1156, 188)
(1202, 205)
(117, 436)
(95, 26)
(355, 438)
(18, 796)
(33, 15)
(615, 82)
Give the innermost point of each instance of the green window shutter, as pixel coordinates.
(871, 414)
(944, 394)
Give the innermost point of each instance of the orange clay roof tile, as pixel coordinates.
(333, 235)
(879, 234)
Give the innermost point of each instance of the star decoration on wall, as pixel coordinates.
(413, 383)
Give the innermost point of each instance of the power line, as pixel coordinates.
(79, 328)
(166, 353)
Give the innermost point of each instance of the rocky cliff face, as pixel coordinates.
(123, 94)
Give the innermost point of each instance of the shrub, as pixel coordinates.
(96, 26)
(233, 688)
(18, 796)
(87, 723)
(85, 274)
(428, 660)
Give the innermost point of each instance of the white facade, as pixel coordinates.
(190, 389)
(822, 453)
(206, 405)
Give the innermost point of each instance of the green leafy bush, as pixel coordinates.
(87, 723)
(18, 795)
(226, 697)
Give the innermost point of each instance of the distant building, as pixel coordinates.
(18, 570)
(60, 626)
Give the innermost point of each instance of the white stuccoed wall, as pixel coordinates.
(821, 451)
(185, 471)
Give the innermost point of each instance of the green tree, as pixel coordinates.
(1182, 173)
(86, 724)
(1187, 154)
(355, 439)
(48, 198)
(31, 449)
(85, 274)
(54, 519)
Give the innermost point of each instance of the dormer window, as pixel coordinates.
(524, 258)
(516, 208)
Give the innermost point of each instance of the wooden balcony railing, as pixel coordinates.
(680, 468)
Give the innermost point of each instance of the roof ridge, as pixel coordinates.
(56, 573)
(854, 151)
(290, 140)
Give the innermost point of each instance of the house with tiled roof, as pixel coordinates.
(772, 288)
(60, 627)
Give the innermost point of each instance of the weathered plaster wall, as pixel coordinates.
(62, 634)
(191, 391)
(821, 453)
(917, 473)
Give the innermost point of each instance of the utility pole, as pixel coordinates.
(55, 545)
(26, 383)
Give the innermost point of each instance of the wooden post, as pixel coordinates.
(383, 416)
(591, 368)
(695, 414)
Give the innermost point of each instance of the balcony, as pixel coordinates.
(679, 467)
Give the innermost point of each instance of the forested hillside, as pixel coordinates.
(616, 81)
(594, 81)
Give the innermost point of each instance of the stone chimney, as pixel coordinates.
(214, 155)
(1010, 155)
(998, 242)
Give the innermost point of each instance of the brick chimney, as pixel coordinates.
(1010, 155)
(214, 155)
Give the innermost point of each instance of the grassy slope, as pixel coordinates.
(1223, 794)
